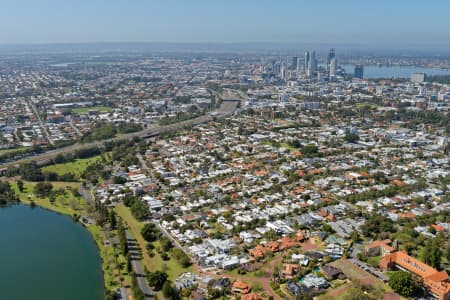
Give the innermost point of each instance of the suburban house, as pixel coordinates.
(376, 248)
(240, 287)
(185, 281)
(289, 270)
(332, 273)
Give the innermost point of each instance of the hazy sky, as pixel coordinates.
(345, 21)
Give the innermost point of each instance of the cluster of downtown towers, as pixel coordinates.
(309, 66)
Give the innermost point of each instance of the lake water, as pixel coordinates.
(45, 256)
(394, 71)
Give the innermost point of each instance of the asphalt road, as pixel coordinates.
(226, 109)
(137, 266)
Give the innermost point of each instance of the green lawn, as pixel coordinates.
(113, 262)
(374, 261)
(171, 267)
(83, 110)
(65, 204)
(75, 167)
(14, 150)
(366, 105)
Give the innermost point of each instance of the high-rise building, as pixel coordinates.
(299, 66)
(277, 69)
(331, 55)
(332, 67)
(359, 71)
(306, 62)
(313, 63)
(294, 62)
(331, 64)
(310, 64)
(418, 77)
(283, 71)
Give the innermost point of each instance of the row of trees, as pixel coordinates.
(138, 208)
(103, 131)
(7, 194)
(159, 279)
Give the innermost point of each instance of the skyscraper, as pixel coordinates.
(359, 71)
(331, 55)
(299, 66)
(331, 64)
(294, 61)
(310, 64)
(332, 69)
(283, 71)
(306, 62)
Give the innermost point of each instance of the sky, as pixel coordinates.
(371, 22)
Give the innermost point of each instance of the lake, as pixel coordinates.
(46, 256)
(394, 71)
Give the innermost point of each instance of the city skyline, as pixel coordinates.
(408, 24)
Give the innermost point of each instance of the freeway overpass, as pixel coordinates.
(226, 109)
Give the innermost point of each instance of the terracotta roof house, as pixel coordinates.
(252, 296)
(436, 282)
(287, 243)
(438, 228)
(240, 287)
(289, 270)
(273, 246)
(382, 248)
(258, 252)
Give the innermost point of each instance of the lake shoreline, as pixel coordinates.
(71, 258)
(98, 242)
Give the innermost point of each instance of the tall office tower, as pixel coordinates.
(331, 63)
(276, 69)
(294, 61)
(283, 71)
(306, 62)
(332, 69)
(310, 64)
(331, 55)
(299, 66)
(359, 71)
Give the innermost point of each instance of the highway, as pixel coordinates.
(227, 108)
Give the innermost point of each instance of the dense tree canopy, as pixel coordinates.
(43, 189)
(402, 283)
(7, 194)
(157, 279)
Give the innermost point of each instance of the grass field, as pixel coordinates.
(374, 261)
(356, 274)
(65, 204)
(113, 262)
(171, 267)
(75, 167)
(83, 110)
(14, 150)
(366, 105)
